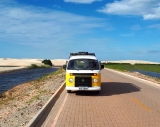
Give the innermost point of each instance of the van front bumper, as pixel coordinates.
(96, 88)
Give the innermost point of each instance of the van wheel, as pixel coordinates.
(97, 92)
(68, 91)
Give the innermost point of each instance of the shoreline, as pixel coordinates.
(142, 76)
(7, 69)
(19, 104)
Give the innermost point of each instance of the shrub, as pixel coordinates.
(33, 66)
(47, 62)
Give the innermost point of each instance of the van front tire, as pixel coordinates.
(97, 92)
(68, 91)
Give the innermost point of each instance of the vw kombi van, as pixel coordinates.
(83, 72)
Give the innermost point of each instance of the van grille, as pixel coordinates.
(83, 81)
(84, 74)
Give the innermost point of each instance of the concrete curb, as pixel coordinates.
(139, 79)
(49, 104)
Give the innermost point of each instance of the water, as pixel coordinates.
(149, 73)
(11, 79)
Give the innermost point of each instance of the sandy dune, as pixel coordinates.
(7, 64)
(132, 62)
(28, 62)
(59, 62)
(18, 62)
(56, 62)
(12, 64)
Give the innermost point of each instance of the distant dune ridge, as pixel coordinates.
(6, 63)
(28, 62)
(57, 62)
(18, 62)
(131, 62)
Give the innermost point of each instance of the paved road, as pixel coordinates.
(122, 102)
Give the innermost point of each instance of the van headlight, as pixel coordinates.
(95, 80)
(70, 80)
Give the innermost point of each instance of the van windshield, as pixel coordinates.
(83, 64)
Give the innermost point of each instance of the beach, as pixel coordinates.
(9, 64)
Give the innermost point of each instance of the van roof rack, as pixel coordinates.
(81, 53)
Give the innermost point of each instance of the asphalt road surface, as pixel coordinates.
(122, 102)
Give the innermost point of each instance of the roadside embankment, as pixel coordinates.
(20, 104)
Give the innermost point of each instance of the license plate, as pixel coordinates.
(83, 88)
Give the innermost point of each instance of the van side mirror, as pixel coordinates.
(102, 67)
(64, 67)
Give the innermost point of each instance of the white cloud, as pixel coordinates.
(153, 51)
(148, 9)
(37, 26)
(82, 1)
(57, 6)
(136, 27)
(157, 26)
(150, 51)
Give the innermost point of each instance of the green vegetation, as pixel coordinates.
(34, 98)
(58, 72)
(34, 66)
(37, 97)
(47, 62)
(129, 67)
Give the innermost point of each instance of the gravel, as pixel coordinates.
(19, 104)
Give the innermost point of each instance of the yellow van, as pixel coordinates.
(83, 72)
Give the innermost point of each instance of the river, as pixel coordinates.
(11, 79)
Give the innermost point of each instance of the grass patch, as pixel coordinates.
(129, 67)
(37, 97)
(58, 72)
(33, 99)
(34, 66)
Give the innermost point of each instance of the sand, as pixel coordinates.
(131, 62)
(7, 64)
(28, 62)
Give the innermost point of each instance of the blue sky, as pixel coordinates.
(51, 29)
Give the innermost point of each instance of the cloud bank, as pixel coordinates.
(37, 26)
(148, 9)
(81, 1)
